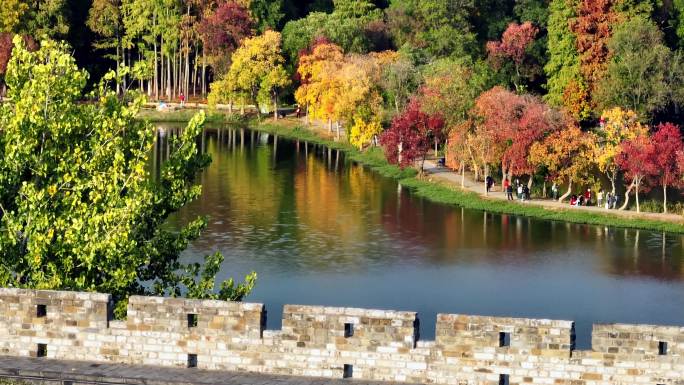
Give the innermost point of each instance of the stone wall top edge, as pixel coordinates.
(443, 317)
(646, 328)
(349, 311)
(203, 303)
(56, 294)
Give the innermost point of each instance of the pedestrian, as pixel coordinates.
(509, 192)
(554, 191)
(298, 111)
(520, 191)
(182, 100)
(609, 200)
(526, 193)
(573, 200)
(505, 185)
(616, 201)
(599, 198)
(489, 181)
(587, 197)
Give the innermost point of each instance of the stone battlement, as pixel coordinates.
(334, 342)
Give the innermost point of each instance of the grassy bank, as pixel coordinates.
(451, 195)
(184, 116)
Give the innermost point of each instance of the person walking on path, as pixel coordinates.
(554, 191)
(599, 198)
(509, 192)
(490, 182)
(587, 197)
(182, 100)
(525, 193)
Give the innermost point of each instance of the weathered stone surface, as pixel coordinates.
(371, 345)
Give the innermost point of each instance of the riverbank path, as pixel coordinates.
(453, 178)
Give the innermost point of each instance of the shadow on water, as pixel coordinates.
(321, 230)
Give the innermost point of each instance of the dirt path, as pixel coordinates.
(454, 178)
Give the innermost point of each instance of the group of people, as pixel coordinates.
(522, 190)
(606, 200)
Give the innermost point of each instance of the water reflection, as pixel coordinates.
(320, 230)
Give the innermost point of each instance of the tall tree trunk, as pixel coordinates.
(194, 73)
(664, 198)
(169, 97)
(156, 62)
(275, 105)
(204, 73)
(462, 174)
(486, 174)
(629, 190)
(567, 193)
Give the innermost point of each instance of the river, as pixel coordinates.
(321, 230)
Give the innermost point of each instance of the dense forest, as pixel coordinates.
(553, 90)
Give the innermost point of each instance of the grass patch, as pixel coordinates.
(451, 195)
(184, 116)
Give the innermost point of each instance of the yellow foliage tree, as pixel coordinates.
(340, 88)
(618, 125)
(257, 72)
(363, 133)
(567, 155)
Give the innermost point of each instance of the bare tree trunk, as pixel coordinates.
(486, 174)
(204, 73)
(275, 106)
(168, 77)
(664, 198)
(567, 193)
(156, 63)
(462, 175)
(629, 190)
(194, 72)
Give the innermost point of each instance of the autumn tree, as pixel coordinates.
(567, 155)
(222, 31)
(317, 75)
(257, 70)
(400, 79)
(637, 158)
(515, 122)
(411, 135)
(565, 85)
(593, 28)
(667, 142)
(513, 48)
(619, 125)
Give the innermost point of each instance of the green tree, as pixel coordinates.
(11, 13)
(563, 67)
(105, 18)
(636, 76)
(439, 27)
(267, 13)
(78, 209)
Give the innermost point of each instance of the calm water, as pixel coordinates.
(320, 230)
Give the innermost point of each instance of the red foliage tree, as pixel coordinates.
(223, 30)
(668, 147)
(6, 47)
(638, 160)
(513, 45)
(5, 51)
(411, 135)
(515, 123)
(592, 29)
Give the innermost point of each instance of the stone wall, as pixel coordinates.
(335, 342)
